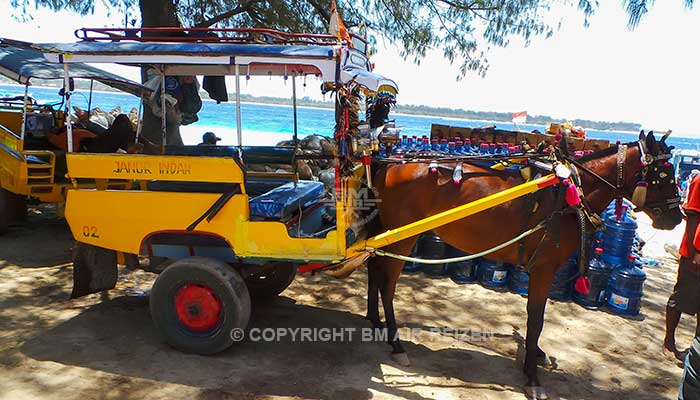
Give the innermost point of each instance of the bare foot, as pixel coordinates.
(671, 352)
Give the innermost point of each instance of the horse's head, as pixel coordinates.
(656, 193)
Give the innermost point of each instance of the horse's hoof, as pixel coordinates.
(535, 392)
(401, 359)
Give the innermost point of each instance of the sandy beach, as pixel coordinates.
(105, 346)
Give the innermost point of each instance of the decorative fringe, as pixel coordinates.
(572, 196)
(583, 285)
(639, 196)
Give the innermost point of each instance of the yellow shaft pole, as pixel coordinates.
(415, 228)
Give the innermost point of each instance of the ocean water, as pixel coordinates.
(265, 124)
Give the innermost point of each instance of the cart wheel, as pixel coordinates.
(198, 303)
(20, 208)
(94, 269)
(272, 281)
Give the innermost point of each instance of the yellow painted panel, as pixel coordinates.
(11, 119)
(147, 167)
(271, 240)
(120, 220)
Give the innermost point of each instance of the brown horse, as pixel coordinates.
(410, 192)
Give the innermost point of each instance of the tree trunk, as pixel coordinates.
(158, 13)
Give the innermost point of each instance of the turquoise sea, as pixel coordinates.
(268, 124)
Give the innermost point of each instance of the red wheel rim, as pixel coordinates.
(197, 307)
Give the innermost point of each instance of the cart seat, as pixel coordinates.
(283, 201)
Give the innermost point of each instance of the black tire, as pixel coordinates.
(272, 281)
(94, 269)
(224, 283)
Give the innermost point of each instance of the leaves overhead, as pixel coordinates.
(464, 30)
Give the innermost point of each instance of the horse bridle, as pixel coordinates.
(649, 174)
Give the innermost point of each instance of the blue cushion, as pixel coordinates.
(283, 201)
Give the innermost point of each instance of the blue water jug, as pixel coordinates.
(410, 267)
(519, 281)
(431, 247)
(598, 275)
(626, 291)
(462, 271)
(563, 284)
(494, 274)
(618, 238)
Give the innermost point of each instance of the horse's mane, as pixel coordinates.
(605, 152)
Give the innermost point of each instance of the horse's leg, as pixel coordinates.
(391, 269)
(540, 282)
(374, 280)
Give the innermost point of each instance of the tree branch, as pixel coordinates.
(242, 8)
(320, 10)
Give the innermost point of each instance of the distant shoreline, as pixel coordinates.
(275, 104)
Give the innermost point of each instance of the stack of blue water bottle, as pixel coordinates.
(616, 262)
(447, 146)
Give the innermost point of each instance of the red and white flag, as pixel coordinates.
(520, 117)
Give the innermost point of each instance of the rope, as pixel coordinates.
(523, 235)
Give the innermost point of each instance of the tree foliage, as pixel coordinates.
(463, 29)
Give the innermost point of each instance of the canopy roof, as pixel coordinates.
(207, 58)
(21, 63)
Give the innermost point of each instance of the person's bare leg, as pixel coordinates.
(673, 316)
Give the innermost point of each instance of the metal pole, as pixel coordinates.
(66, 117)
(92, 81)
(294, 107)
(24, 113)
(239, 129)
(138, 121)
(163, 111)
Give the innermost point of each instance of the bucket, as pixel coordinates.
(494, 275)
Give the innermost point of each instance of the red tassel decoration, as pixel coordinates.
(572, 196)
(583, 285)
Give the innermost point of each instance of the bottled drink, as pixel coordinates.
(426, 144)
(451, 148)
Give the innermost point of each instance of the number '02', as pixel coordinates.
(90, 231)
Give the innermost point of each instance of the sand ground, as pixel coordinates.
(104, 346)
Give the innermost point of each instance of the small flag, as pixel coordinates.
(520, 117)
(337, 27)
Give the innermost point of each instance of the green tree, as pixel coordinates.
(463, 29)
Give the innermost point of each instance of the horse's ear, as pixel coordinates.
(665, 136)
(641, 135)
(652, 144)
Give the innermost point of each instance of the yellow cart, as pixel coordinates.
(29, 167)
(235, 234)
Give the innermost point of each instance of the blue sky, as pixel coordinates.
(603, 72)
